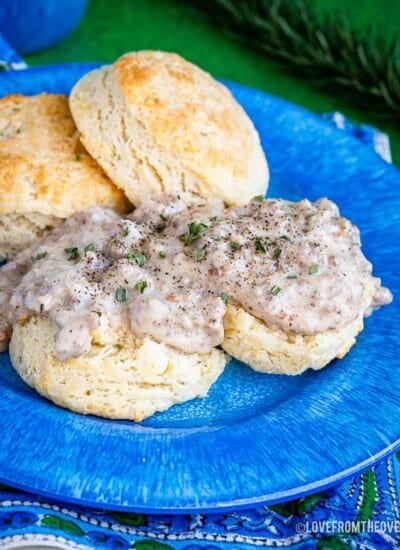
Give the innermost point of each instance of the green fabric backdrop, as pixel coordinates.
(112, 27)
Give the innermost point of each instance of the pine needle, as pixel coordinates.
(325, 50)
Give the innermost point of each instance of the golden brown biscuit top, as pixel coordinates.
(39, 125)
(181, 105)
(44, 167)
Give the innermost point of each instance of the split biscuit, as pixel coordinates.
(122, 377)
(159, 124)
(46, 174)
(274, 351)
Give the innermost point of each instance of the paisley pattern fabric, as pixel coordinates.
(361, 514)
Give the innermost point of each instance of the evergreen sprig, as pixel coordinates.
(325, 49)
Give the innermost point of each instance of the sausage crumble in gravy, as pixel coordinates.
(167, 270)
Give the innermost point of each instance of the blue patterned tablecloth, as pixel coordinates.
(361, 514)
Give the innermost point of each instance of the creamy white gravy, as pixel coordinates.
(168, 270)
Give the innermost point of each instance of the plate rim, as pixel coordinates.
(226, 507)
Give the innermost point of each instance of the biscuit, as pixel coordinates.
(273, 351)
(158, 124)
(46, 174)
(18, 231)
(122, 377)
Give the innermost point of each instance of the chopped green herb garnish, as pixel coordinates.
(214, 219)
(291, 277)
(89, 248)
(259, 245)
(277, 253)
(313, 269)
(78, 157)
(224, 297)
(125, 232)
(137, 257)
(141, 285)
(275, 290)
(73, 252)
(162, 254)
(287, 238)
(164, 218)
(201, 254)
(215, 237)
(120, 294)
(41, 255)
(195, 231)
(98, 313)
(236, 246)
(259, 198)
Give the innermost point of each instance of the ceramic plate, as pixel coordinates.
(255, 438)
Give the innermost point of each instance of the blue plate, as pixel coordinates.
(255, 438)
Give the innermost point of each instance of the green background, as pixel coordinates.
(112, 27)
